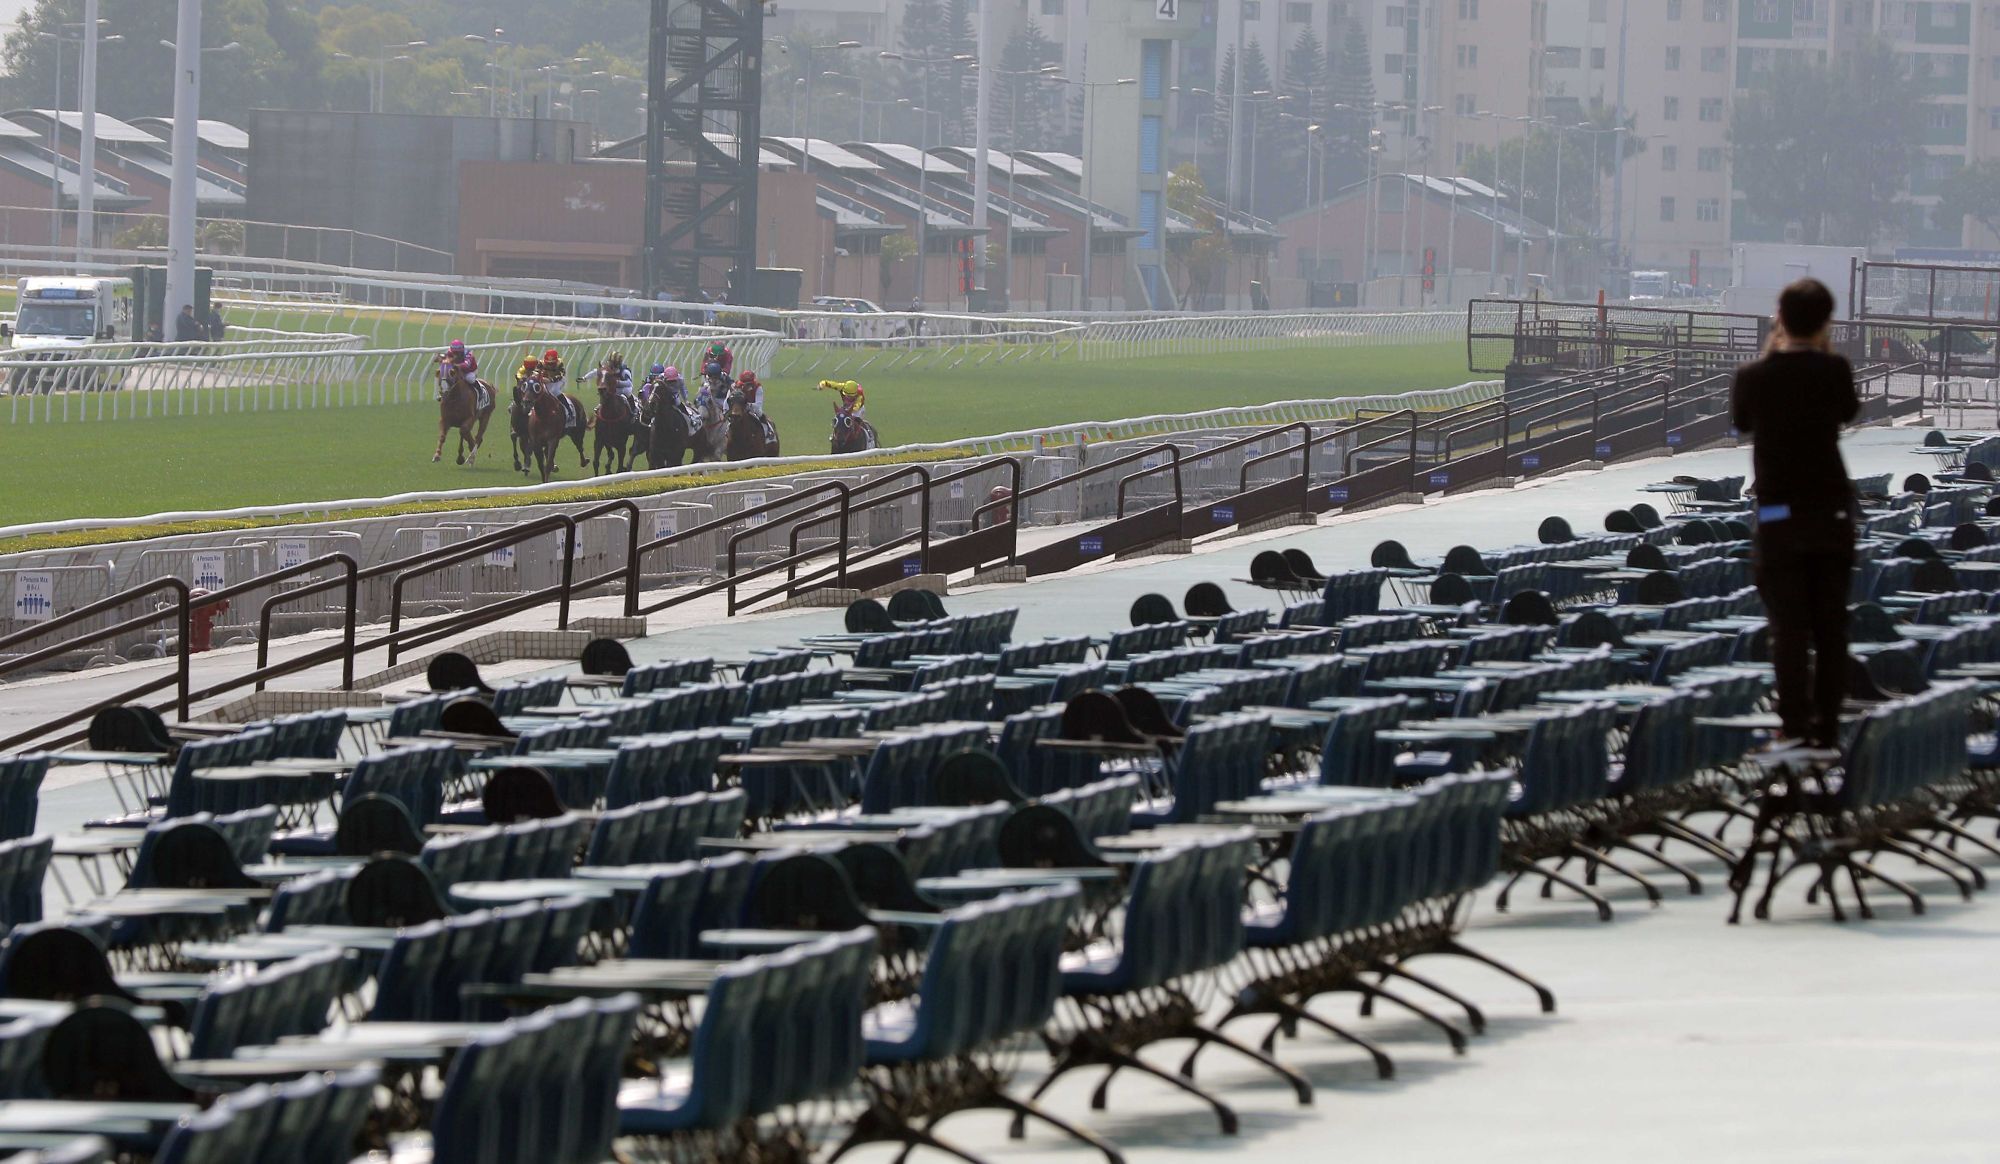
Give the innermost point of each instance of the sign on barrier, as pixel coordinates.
(1531, 461)
(958, 491)
(1224, 514)
(34, 596)
(1337, 494)
(1090, 545)
(753, 501)
(293, 552)
(208, 570)
(666, 523)
(433, 540)
(912, 567)
(502, 556)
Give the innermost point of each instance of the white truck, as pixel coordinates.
(55, 316)
(1758, 271)
(1650, 286)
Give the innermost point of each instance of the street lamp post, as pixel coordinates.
(1493, 262)
(1423, 196)
(1090, 89)
(805, 161)
(923, 153)
(1318, 194)
(86, 150)
(1521, 194)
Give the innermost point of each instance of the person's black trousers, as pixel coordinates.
(1803, 563)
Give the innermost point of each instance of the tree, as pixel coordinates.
(1205, 255)
(1306, 76)
(1033, 107)
(1972, 192)
(1828, 146)
(896, 249)
(1351, 87)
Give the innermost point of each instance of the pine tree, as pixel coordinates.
(1306, 77)
(1352, 89)
(1033, 107)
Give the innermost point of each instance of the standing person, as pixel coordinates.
(1792, 403)
(187, 329)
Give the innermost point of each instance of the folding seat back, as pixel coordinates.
(20, 793)
(405, 984)
(664, 917)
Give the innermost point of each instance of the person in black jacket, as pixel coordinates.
(1792, 403)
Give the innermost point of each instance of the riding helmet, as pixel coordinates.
(458, 347)
(657, 370)
(552, 356)
(713, 369)
(671, 372)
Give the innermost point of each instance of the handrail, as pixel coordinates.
(843, 496)
(179, 679)
(350, 580)
(1327, 437)
(712, 526)
(1347, 462)
(461, 551)
(1173, 453)
(922, 473)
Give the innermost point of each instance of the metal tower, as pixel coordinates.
(703, 85)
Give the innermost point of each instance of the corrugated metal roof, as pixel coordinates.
(914, 158)
(826, 153)
(109, 128)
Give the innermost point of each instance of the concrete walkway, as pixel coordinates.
(1678, 1038)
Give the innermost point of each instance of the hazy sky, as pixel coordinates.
(11, 10)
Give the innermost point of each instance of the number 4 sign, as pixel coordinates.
(1166, 10)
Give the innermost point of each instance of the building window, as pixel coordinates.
(1468, 56)
(1715, 59)
(1673, 9)
(1468, 9)
(1711, 109)
(1597, 11)
(1393, 16)
(1149, 144)
(1463, 150)
(1253, 10)
(1708, 210)
(1153, 69)
(1993, 118)
(1709, 159)
(1392, 64)
(1671, 110)
(1670, 158)
(1715, 11)
(1149, 221)
(1297, 13)
(1941, 116)
(1597, 58)
(1667, 208)
(1052, 7)
(1464, 104)
(1673, 58)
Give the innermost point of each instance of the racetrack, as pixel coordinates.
(135, 466)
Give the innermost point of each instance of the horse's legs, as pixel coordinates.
(437, 454)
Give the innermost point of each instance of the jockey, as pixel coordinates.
(615, 377)
(457, 361)
(714, 383)
(753, 394)
(718, 354)
(530, 369)
(853, 400)
(667, 378)
(553, 372)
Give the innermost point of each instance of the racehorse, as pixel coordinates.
(464, 405)
(711, 428)
(749, 436)
(851, 434)
(617, 423)
(525, 391)
(548, 423)
(669, 430)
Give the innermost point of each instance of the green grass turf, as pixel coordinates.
(149, 465)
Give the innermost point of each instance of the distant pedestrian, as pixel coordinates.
(1792, 403)
(187, 328)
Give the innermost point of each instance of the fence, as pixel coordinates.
(191, 379)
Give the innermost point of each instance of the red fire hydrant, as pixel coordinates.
(1005, 513)
(201, 622)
